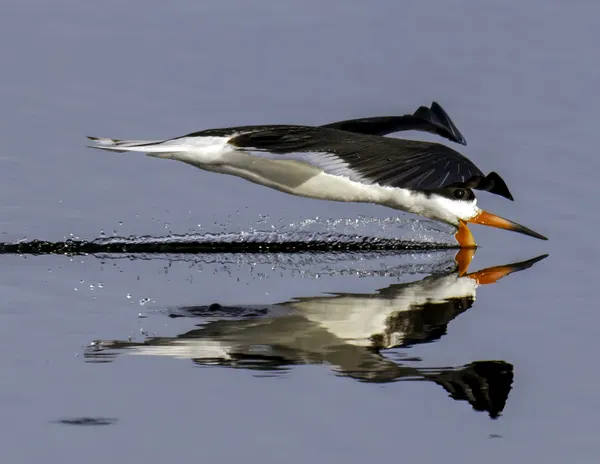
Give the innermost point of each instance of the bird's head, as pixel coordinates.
(458, 207)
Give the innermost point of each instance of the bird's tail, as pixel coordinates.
(119, 145)
(156, 148)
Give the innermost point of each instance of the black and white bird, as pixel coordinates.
(349, 161)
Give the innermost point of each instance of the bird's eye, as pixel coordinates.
(459, 194)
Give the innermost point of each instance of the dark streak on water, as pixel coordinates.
(87, 421)
(195, 244)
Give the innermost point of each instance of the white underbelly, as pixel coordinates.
(301, 179)
(337, 188)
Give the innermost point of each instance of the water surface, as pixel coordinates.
(507, 374)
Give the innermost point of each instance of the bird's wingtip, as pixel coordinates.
(437, 115)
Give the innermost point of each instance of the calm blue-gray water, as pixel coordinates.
(295, 357)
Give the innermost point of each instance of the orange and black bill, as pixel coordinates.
(489, 219)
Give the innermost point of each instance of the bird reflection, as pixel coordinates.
(346, 331)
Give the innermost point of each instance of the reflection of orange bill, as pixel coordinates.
(463, 260)
(493, 274)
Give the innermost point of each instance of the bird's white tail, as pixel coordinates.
(196, 150)
(157, 148)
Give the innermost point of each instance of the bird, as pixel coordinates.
(348, 161)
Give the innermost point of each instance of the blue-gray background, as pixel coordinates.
(520, 79)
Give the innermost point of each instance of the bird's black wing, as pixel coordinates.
(424, 166)
(433, 120)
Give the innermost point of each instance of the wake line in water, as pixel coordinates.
(220, 243)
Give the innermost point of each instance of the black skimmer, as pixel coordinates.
(349, 161)
(347, 331)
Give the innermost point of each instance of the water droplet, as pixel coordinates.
(100, 285)
(129, 296)
(120, 223)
